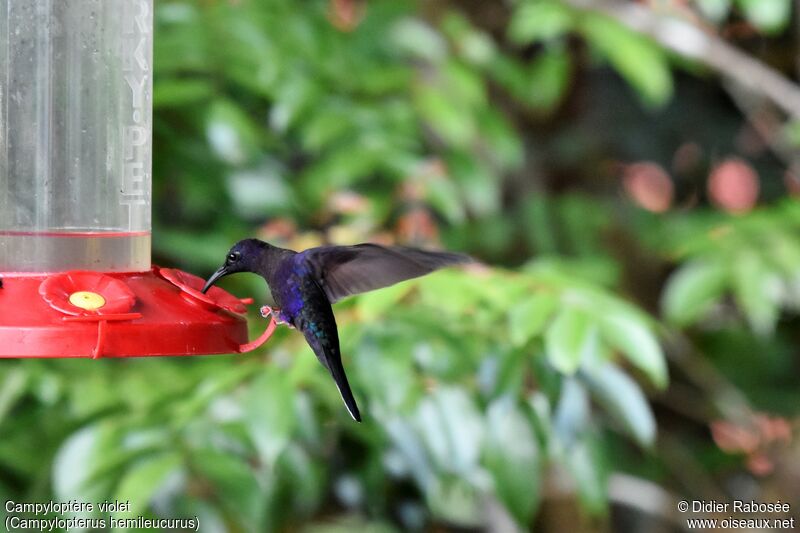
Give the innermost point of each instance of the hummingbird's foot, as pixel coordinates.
(277, 315)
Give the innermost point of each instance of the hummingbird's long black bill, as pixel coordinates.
(221, 272)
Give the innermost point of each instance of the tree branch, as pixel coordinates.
(692, 42)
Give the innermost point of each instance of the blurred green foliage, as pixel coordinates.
(346, 121)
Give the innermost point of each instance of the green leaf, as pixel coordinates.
(293, 100)
(548, 79)
(503, 142)
(572, 413)
(452, 428)
(409, 446)
(387, 376)
(586, 464)
(78, 461)
(141, 482)
(541, 84)
(539, 21)
(782, 253)
(537, 212)
(622, 398)
(451, 291)
(504, 374)
(455, 500)
(445, 116)
(692, 290)
(257, 191)
(231, 133)
(512, 457)
(757, 291)
(269, 408)
(181, 48)
(234, 485)
(640, 61)
(570, 338)
(475, 46)
(419, 40)
(528, 318)
(715, 10)
(464, 85)
(338, 169)
(376, 303)
(255, 72)
(791, 133)
(347, 523)
(304, 474)
(443, 195)
(631, 335)
(199, 249)
(769, 16)
(180, 92)
(477, 181)
(325, 126)
(11, 389)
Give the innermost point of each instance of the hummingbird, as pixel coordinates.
(305, 284)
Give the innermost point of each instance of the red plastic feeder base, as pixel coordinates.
(93, 314)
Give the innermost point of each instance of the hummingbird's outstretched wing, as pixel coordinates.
(345, 270)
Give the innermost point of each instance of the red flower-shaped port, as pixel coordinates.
(192, 285)
(87, 294)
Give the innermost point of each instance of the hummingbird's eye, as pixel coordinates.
(233, 257)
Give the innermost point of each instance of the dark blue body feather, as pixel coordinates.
(304, 305)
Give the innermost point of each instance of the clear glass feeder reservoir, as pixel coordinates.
(75, 193)
(75, 135)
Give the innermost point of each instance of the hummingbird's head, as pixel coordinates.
(245, 256)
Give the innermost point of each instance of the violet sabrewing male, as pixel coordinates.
(305, 284)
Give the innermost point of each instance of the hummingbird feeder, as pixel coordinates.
(75, 191)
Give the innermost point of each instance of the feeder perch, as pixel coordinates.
(75, 191)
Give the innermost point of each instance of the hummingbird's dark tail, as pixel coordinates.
(325, 343)
(337, 371)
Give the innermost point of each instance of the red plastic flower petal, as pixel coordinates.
(86, 293)
(192, 285)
